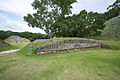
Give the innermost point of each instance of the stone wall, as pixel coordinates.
(17, 39)
(69, 45)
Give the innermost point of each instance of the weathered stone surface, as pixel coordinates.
(17, 39)
(70, 45)
(41, 40)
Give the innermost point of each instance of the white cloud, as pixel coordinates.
(30, 29)
(6, 24)
(92, 5)
(22, 7)
(19, 6)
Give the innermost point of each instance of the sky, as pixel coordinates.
(13, 11)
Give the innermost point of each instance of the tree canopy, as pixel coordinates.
(83, 24)
(28, 35)
(53, 17)
(47, 12)
(113, 10)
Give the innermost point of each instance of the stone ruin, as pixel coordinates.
(41, 40)
(70, 45)
(17, 39)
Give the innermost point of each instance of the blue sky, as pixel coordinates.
(11, 15)
(12, 12)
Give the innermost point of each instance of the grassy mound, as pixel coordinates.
(7, 39)
(112, 29)
(3, 44)
(35, 45)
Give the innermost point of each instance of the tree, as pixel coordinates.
(48, 11)
(96, 23)
(28, 35)
(84, 24)
(115, 6)
(113, 10)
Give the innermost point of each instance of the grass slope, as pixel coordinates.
(112, 29)
(7, 39)
(3, 43)
(37, 44)
(89, 64)
(13, 46)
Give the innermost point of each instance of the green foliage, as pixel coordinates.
(48, 11)
(83, 24)
(112, 29)
(64, 6)
(53, 19)
(3, 44)
(7, 39)
(6, 34)
(115, 5)
(113, 10)
(31, 36)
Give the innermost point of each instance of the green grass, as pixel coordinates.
(13, 46)
(3, 43)
(87, 64)
(7, 39)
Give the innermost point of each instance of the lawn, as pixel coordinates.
(86, 64)
(13, 46)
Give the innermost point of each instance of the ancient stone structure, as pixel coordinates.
(17, 39)
(41, 40)
(70, 45)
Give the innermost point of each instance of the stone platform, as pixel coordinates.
(70, 45)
